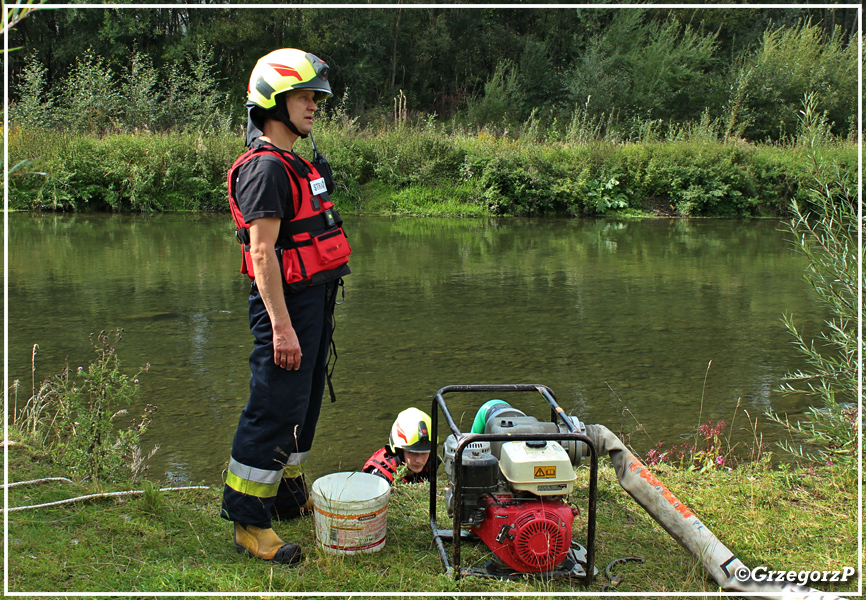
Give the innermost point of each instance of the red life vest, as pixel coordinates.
(312, 245)
(386, 464)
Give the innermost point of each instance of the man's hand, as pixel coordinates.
(287, 350)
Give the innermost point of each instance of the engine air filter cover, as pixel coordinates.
(542, 468)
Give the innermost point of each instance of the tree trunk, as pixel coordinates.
(394, 49)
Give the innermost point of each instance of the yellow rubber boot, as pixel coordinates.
(265, 544)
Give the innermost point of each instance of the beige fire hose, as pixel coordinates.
(682, 524)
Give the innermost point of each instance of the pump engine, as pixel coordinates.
(514, 495)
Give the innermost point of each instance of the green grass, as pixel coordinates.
(421, 201)
(794, 518)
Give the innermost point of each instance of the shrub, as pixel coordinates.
(35, 109)
(652, 69)
(93, 99)
(768, 85)
(74, 414)
(143, 108)
(90, 99)
(825, 229)
(198, 106)
(180, 171)
(499, 102)
(141, 172)
(523, 185)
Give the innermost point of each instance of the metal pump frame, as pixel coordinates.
(463, 439)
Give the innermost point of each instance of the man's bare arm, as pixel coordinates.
(269, 280)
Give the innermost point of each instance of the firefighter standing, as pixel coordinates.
(296, 253)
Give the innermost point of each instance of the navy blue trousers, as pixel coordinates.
(277, 425)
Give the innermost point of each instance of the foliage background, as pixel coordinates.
(83, 95)
(186, 68)
(505, 111)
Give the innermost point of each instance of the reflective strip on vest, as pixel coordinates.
(261, 483)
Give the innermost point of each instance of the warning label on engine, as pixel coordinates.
(545, 472)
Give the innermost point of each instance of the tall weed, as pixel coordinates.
(584, 128)
(74, 414)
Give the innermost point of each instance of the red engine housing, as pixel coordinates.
(530, 536)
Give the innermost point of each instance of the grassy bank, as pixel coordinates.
(425, 171)
(175, 542)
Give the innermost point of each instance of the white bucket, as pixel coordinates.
(351, 512)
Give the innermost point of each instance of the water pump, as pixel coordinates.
(511, 489)
(508, 485)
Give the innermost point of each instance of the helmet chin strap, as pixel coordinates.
(288, 123)
(283, 117)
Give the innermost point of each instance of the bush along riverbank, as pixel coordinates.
(429, 169)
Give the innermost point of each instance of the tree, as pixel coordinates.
(646, 68)
(35, 107)
(645, 63)
(769, 84)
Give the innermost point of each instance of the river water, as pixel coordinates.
(662, 323)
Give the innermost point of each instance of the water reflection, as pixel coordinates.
(611, 315)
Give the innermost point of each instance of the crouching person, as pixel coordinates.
(409, 446)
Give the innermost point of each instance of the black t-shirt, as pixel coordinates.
(263, 189)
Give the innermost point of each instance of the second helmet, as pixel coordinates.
(411, 431)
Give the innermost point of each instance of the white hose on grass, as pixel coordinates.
(103, 495)
(43, 480)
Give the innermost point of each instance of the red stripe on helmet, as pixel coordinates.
(285, 71)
